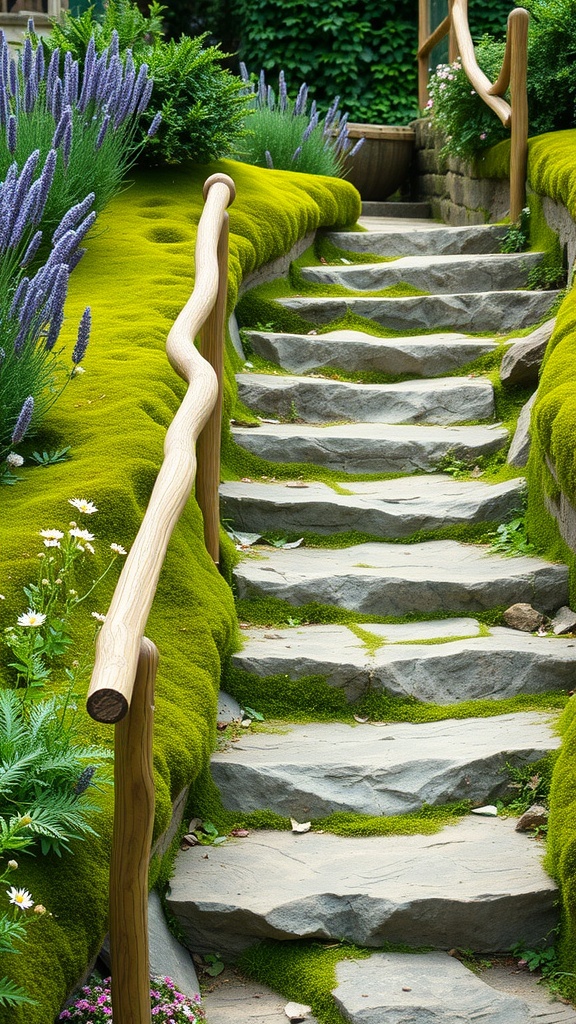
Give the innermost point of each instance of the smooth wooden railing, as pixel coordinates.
(513, 115)
(122, 686)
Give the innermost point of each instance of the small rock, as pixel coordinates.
(297, 1011)
(489, 811)
(532, 818)
(522, 361)
(524, 617)
(564, 621)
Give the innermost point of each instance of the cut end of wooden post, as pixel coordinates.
(107, 706)
(222, 179)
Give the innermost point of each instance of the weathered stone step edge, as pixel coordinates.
(424, 988)
(309, 771)
(426, 355)
(503, 665)
(370, 447)
(443, 401)
(434, 274)
(397, 579)
(388, 509)
(474, 312)
(438, 239)
(438, 890)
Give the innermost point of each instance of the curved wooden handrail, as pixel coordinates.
(118, 644)
(513, 115)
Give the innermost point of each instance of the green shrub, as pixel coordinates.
(283, 135)
(202, 103)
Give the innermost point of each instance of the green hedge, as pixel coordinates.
(137, 275)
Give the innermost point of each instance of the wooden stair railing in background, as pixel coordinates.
(513, 115)
(122, 685)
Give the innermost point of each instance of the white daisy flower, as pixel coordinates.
(20, 898)
(81, 534)
(118, 549)
(52, 534)
(31, 618)
(83, 505)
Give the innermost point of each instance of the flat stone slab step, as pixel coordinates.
(410, 664)
(309, 771)
(409, 240)
(369, 447)
(446, 400)
(426, 355)
(422, 988)
(384, 508)
(394, 579)
(435, 274)
(477, 884)
(475, 312)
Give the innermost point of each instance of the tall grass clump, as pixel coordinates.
(284, 135)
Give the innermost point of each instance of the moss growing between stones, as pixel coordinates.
(136, 276)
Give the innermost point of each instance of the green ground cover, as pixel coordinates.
(137, 275)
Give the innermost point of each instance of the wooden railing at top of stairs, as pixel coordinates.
(513, 115)
(122, 686)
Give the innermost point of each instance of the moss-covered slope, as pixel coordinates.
(136, 276)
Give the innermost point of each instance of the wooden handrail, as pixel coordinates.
(118, 644)
(122, 686)
(513, 115)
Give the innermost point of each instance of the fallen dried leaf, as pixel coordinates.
(361, 719)
(300, 826)
(240, 833)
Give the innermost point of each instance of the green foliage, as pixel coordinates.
(517, 236)
(530, 783)
(511, 538)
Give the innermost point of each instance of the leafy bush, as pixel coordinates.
(284, 136)
(201, 103)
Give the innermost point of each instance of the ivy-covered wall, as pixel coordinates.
(136, 276)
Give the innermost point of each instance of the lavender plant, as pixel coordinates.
(32, 297)
(285, 135)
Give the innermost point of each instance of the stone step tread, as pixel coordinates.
(309, 771)
(476, 884)
(504, 664)
(396, 579)
(485, 312)
(383, 508)
(435, 988)
(425, 355)
(406, 209)
(397, 239)
(315, 400)
(435, 274)
(370, 447)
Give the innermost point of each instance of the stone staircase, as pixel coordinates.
(477, 884)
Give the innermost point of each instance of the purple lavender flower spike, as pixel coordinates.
(356, 147)
(313, 109)
(23, 421)
(11, 134)
(25, 180)
(56, 321)
(268, 158)
(282, 93)
(4, 107)
(13, 78)
(52, 73)
(102, 132)
(129, 63)
(114, 78)
(75, 258)
(301, 100)
(73, 83)
(57, 100)
(87, 76)
(270, 98)
(114, 47)
(65, 118)
(39, 63)
(329, 119)
(19, 295)
(4, 58)
(73, 217)
(63, 249)
(83, 338)
(30, 94)
(83, 228)
(139, 86)
(297, 154)
(46, 178)
(32, 249)
(27, 59)
(155, 125)
(30, 27)
(145, 98)
(262, 89)
(66, 144)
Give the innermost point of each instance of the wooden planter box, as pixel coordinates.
(383, 163)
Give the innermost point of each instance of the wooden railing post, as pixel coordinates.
(518, 31)
(132, 836)
(212, 340)
(453, 50)
(423, 34)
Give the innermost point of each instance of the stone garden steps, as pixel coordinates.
(370, 447)
(474, 312)
(420, 239)
(398, 579)
(477, 884)
(440, 661)
(444, 401)
(434, 274)
(310, 771)
(389, 509)
(425, 355)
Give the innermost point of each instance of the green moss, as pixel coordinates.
(136, 276)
